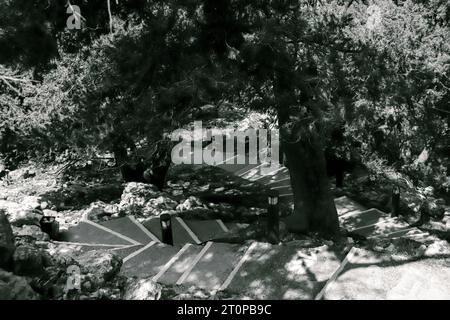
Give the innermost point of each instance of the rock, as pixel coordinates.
(44, 205)
(421, 250)
(155, 207)
(438, 248)
(15, 288)
(32, 202)
(7, 246)
(190, 204)
(177, 193)
(96, 211)
(447, 224)
(143, 289)
(101, 266)
(34, 232)
(436, 208)
(177, 292)
(135, 196)
(19, 214)
(50, 213)
(29, 174)
(328, 243)
(28, 261)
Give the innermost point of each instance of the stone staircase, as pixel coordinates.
(251, 270)
(198, 258)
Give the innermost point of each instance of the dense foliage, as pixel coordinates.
(360, 79)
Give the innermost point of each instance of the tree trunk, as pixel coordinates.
(314, 208)
(160, 164)
(153, 170)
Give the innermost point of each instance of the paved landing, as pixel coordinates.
(283, 272)
(371, 276)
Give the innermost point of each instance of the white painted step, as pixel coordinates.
(207, 230)
(282, 272)
(215, 262)
(178, 264)
(148, 261)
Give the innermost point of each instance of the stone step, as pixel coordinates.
(281, 272)
(178, 264)
(388, 228)
(283, 182)
(247, 169)
(207, 230)
(345, 205)
(213, 265)
(131, 228)
(282, 189)
(266, 173)
(148, 260)
(397, 231)
(236, 226)
(359, 219)
(282, 174)
(125, 251)
(90, 233)
(232, 168)
(181, 233)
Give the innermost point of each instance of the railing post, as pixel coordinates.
(166, 228)
(395, 201)
(273, 217)
(50, 226)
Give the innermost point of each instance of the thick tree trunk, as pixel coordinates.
(314, 208)
(152, 171)
(160, 163)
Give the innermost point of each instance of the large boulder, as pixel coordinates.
(145, 200)
(7, 246)
(100, 211)
(15, 288)
(142, 289)
(20, 214)
(33, 202)
(33, 232)
(190, 204)
(28, 261)
(99, 266)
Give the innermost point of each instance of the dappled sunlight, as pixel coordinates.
(378, 275)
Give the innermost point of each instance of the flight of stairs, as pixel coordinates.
(251, 269)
